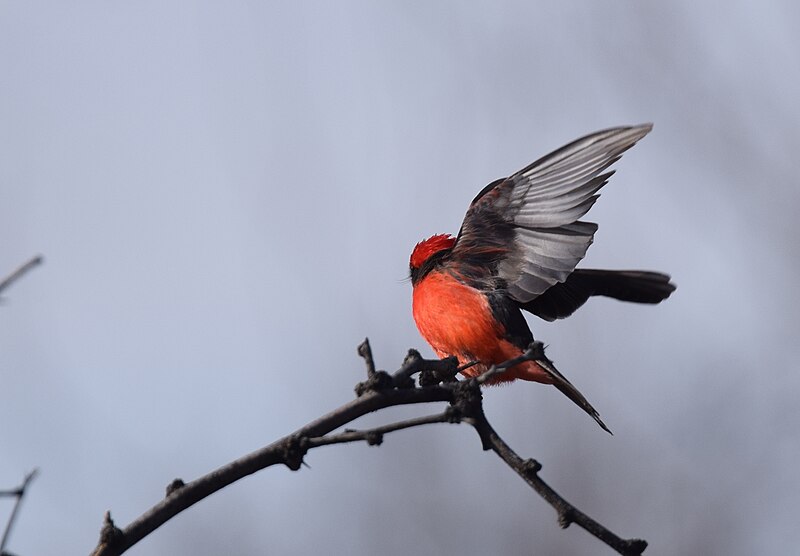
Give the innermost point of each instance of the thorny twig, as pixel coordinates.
(379, 391)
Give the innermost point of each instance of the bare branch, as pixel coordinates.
(289, 451)
(432, 371)
(19, 492)
(22, 269)
(567, 513)
(374, 437)
(379, 391)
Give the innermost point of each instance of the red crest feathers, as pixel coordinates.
(425, 249)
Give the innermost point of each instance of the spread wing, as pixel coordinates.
(525, 229)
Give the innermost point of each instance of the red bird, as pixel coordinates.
(517, 250)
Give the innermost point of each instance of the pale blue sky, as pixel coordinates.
(226, 195)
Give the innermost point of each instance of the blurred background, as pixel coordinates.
(226, 195)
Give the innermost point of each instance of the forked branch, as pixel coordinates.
(379, 391)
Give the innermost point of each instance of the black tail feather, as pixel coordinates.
(638, 286)
(566, 387)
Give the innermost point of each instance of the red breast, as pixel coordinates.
(456, 319)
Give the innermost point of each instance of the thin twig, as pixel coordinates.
(374, 437)
(19, 492)
(22, 269)
(380, 391)
(442, 369)
(534, 352)
(365, 351)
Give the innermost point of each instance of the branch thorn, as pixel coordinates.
(110, 534)
(175, 486)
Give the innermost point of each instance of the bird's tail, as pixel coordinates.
(561, 382)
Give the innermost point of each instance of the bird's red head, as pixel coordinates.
(424, 250)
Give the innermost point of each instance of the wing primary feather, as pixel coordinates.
(617, 139)
(525, 229)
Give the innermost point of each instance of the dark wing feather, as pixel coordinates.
(525, 229)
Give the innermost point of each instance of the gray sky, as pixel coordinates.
(226, 195)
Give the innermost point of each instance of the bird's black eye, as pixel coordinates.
(430, 263)
(413, 273)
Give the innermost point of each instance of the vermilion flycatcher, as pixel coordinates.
(517, 250)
